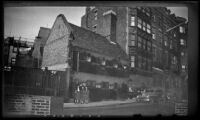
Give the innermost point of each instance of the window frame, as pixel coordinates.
(132, 61)
(133, 39)
(139, 22)
(144, 26)
(133, 21)
(148, 28)
(15, 49)
(182, 41)
(13, 60)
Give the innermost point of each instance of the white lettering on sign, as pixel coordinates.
(181, 108)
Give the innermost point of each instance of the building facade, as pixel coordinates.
(125, 26)
(149, 35)
(86, 56)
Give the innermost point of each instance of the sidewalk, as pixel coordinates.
(97, 104)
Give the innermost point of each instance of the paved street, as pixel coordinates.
(123, 109)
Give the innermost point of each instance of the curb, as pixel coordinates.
(65, 107)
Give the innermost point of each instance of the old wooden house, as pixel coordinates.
(85, 56)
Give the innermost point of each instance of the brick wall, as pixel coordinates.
(21, 104)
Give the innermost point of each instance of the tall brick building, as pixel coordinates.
(142, 32)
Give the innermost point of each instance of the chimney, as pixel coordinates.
(109, 25)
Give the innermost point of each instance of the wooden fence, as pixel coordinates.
(34, 81)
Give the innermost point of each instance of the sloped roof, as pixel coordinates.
(92, 41)
(43, 35)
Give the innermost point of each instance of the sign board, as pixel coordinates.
(181, 108)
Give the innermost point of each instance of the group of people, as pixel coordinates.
(81, 94)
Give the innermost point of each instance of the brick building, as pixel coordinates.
(119, 24)
(144, 33)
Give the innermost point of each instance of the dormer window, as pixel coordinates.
(124, 66)
(115, 66)
(103, 62)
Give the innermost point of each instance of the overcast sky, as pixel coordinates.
(26, 21)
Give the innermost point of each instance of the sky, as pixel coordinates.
(26, 21)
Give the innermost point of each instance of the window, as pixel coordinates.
(181, 29)
(115, 66)
(132, 20)
(174, 34)
(144, 44)
(88, 59)
(182, 53)
(165, 43)
(132, 38)
(139, 24)
(149, 46)
(95, 14)
(143, 10)
(154, 36)
(124, 66)
(132, 61)
(183, 66)
(13, 61)
(15, 49)
(148, 28)
(103, 62)
(132, 42)
(144, 26)
(147, 11)
(182, 42)
(139, 42)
